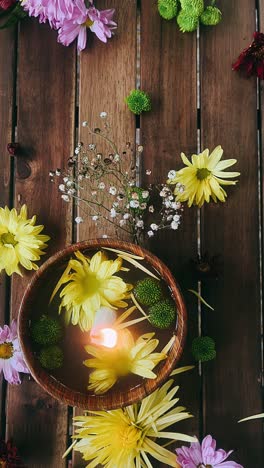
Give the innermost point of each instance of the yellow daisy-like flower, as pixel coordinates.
(124, 438)
(203, 178)
(90, 284)
(20, 241)
(127, 357)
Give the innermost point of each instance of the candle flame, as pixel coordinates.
(105, 337)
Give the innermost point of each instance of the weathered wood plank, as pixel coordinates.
(46, 109)
(168, 73)
(232, 386)
(7, 102)
(107, 74)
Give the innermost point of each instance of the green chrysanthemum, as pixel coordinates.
(46, 331)
(194, 7)
(148, 291)
(211, 16)
(163, 314)
(51, 357)
(203, 348)
(168, 8)
(138, 101)
(187, 22)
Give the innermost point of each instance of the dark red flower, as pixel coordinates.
(13, 148)
(8, 456)
(251, 60)
(5, 4)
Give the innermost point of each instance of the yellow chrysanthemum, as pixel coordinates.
(127, 357)
(20, 241)
(203, 177)
(124, 438)
(91, 283)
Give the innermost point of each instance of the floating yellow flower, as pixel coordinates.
(203, 177)
(127, 357)
(20, 241)
(91, 283)
(124, 438)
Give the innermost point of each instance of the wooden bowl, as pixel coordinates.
(115, 398)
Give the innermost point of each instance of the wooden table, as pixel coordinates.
(40, 108)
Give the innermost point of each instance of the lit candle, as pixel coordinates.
(105, 337)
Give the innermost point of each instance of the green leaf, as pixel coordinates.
(200, 298)
(15, 16)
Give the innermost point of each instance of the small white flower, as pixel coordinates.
(69, 183)
(167, 204)
(101, 186)
(112, 190)
(126, 216)
(172, 175)
(175, 205)
(62, 188)
(140, 148)
(116, 158)
(51, 173)
(170, 197)
(79, 219)
(150, 233)
(92, 146)
(85, 160)
(154, 227)
(80, 177)
(174, 225)
(134, 196)
(169, 218)
(65, 198)
(148, 172)
(93, 193)
(65, 179)
(58, 172)
(103, 115)
(140, 224)
(176, 218)
(104, 236)
(143, 206)
(95, 218)
(134, 204)
(122, 222)
(145, 194)
(163, 193)
(77, 150)
(151, 209)
(113, 213)
(71, 191)
(85, 123)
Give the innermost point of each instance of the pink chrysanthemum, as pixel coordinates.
(11, 357)
(204, 455)
(54, 11)
(100, 22)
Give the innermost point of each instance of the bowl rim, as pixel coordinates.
(113, 400)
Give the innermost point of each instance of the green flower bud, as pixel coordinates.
(148, 291)
(211, 16)
(168, 8)
(51, 357)
(46, 331)
(138, 101)
(194, 7)
(186, 22)
(163, 314)
(203, 348)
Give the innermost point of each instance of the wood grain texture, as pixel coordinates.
(46, 108)
(7, 102)
(168, 73)
(107, 74)
(232, 383)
